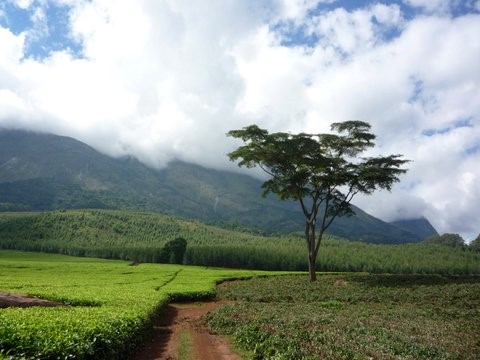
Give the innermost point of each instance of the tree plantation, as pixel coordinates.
(144, 237)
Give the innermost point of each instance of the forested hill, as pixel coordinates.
(48, 172)
(149, 237)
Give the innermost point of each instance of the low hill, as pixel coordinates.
(142, 237)
(49, 172)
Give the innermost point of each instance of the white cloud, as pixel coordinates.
(297, 10)
(11, 48)
(11, 105)
(387, 15)
(22, 4)
(360, 30)
(442, 183)
(166, 79)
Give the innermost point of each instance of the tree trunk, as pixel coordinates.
(311, 268)
(310, 237)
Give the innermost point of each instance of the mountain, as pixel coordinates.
(420, 227)
(47, 172)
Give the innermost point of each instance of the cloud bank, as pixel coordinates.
(163, 80)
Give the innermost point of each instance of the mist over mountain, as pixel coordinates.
(47, 172)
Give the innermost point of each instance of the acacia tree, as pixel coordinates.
(321, 171)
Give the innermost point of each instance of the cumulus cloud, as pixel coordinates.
(23, 4)
(163, 80)
(297, 10)
(360, 30)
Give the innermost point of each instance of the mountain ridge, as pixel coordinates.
(47, 172)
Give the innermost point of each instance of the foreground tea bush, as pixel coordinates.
(353, 317)
(111, 304)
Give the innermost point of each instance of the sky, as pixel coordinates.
(166, 79)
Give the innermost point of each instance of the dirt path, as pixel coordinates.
(22, 300)
(180, 332)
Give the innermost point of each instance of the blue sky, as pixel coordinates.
(166, 79)
(53, 33)
(48, 34)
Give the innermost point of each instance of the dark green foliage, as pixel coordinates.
(21, 195)
(173, 251)
(475, 244)
(353, 317)
(447, 239)
(142, 236)
(337, 255)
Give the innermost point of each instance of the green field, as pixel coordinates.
(354, 316)
(111, 304)
(141, 236)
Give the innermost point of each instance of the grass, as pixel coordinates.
(111, 304)
(355, 316)
(184, 346)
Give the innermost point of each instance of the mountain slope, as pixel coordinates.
(420, 227)
(44, 172)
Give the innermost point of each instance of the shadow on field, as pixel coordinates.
(394, 280)
(162, 332)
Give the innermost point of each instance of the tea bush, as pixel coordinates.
(110, 304)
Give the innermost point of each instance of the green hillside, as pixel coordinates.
(142, 236)
(48, 172)
(421, 227)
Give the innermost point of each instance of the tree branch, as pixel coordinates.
(304, 208)
(268, 172)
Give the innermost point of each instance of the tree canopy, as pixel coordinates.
(445, 239)
(322, 171)
(475, 244)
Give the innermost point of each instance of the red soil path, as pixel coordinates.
(177, 319)
(21, 300)
(185, 317)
